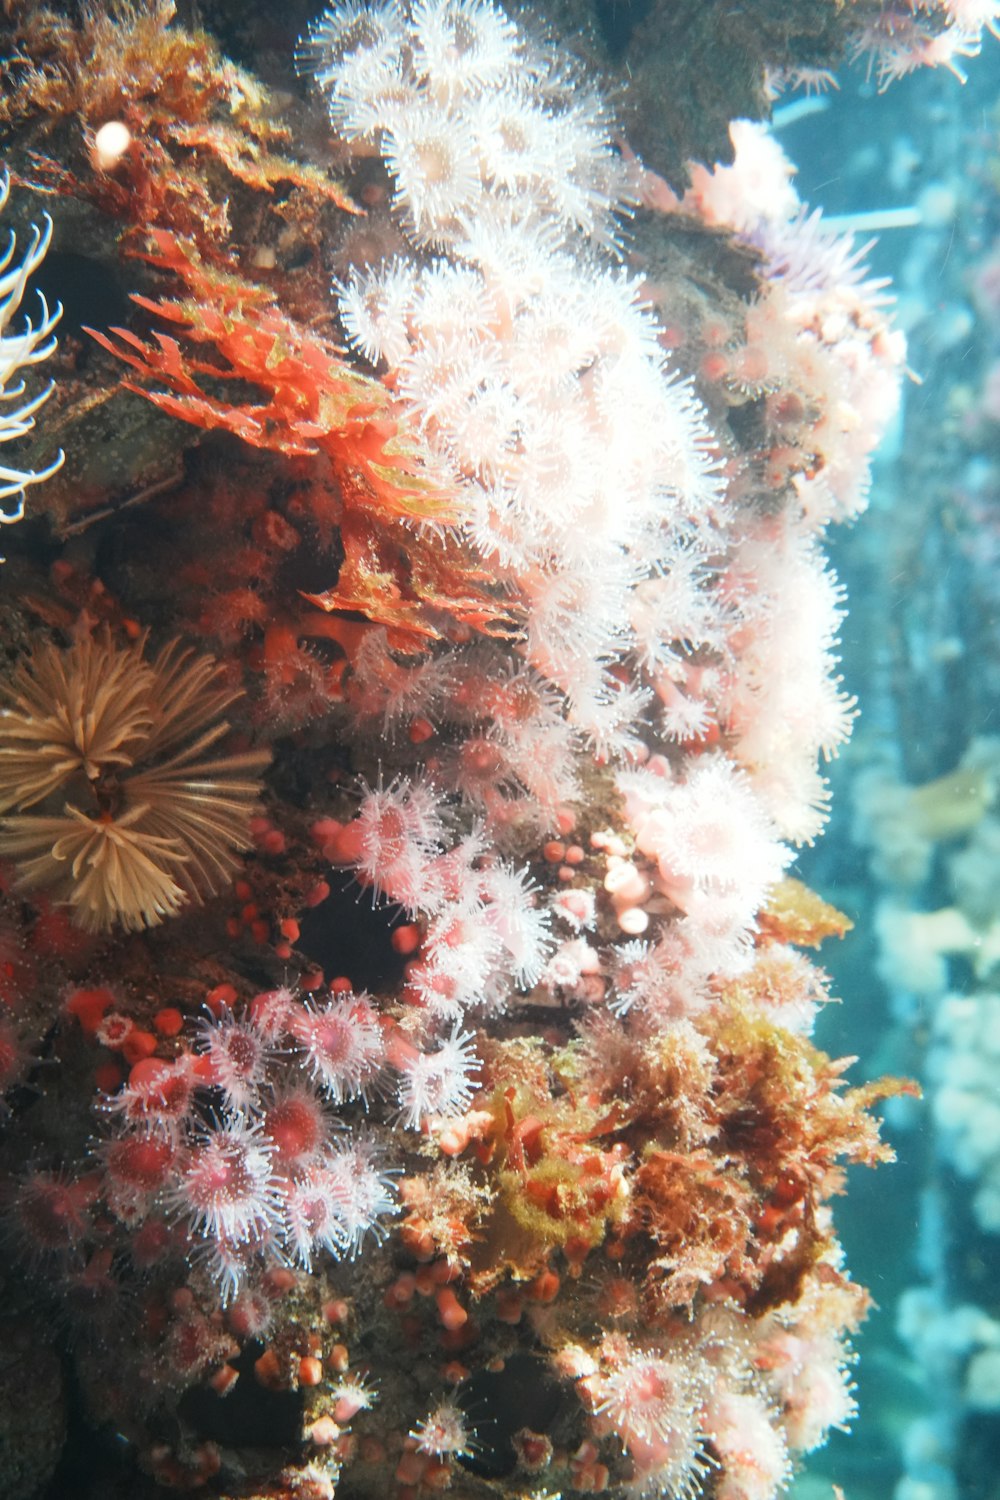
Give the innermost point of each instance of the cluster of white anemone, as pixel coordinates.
(521, 347)
(585, 473)
(467, 114)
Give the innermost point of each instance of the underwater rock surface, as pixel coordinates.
(419, 655)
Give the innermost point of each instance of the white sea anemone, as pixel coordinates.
(553, 342)
(492, 524)
(452, 302)
(484, 432)
(518, 257)
(517, 140)
(462, 47)
(436, 172)
(373, 308)
(348, 45)
(440, 1082)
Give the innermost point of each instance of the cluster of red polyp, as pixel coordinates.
(530, 1184)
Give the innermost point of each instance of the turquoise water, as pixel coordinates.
(920, 649)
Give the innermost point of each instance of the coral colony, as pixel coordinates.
(488, 615)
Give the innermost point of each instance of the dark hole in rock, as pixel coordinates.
(249, 1416)
(90, 293)
(348, 935)
(311, 570)
(499, 1403)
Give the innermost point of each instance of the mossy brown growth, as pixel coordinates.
(699, 1160)
(558, 1173)
(796, 914)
